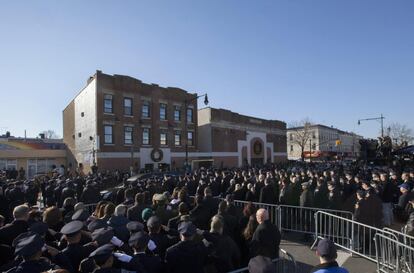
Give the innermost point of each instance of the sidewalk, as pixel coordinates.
(306, 258)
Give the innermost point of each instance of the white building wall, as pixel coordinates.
(85, 102)
(325, 141)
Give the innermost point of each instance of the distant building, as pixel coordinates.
(324, 142)
(118, 121)
(34, 155)
(228, 139)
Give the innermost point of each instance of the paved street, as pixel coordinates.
(306, 258)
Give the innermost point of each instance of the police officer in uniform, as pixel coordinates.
(104, 259)
(74, 250)
(187, 256)
(30, 249)
(150, 263)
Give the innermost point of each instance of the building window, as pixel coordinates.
(163, 111)
(291, 148)
(128, 135)
(291, 137)
(313, 146)
(189, 114)
(8, 164)
(146, 136)
(146, 109)
(128, 106)
(79, 134)
(313, 134)
(177, 113)
(177, 138)
(108, 134)
(108, 104)
(190, 139)
(163, 138)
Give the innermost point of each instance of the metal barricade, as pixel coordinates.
(356, 237)
(402, 236)
(284, 264)
(274, 211)
(393, 255)
(302, 219)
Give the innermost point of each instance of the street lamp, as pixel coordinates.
(186, 102)
(381, 118)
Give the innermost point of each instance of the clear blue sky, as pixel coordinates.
(333, 61)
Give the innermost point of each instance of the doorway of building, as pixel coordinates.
(257, 161)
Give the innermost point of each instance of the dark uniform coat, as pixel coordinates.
(321, 199)
(186, 257)
(267, 195)
(10, 231)
(147, 263)
(76, 253)
(266, 240)
(306, 198)
(38, 266)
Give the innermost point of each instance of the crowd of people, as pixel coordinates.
(177, 223)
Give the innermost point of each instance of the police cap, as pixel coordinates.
(135, 226)
(103, 235)
(72, 228)
(140, 238)
(80, 215)
(29, 245)
(187, 229)
(102, 254)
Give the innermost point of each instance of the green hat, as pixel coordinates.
(146, 214)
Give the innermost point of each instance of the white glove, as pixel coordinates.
(116, 242)
(206, 243)
(151, 245)
(123, 257)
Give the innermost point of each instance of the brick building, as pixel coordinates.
(228, 139)
(118, 121)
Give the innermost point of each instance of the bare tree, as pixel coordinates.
(300, 134)
(50, 134)
(400, 135)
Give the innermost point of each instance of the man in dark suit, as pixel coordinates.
(175, 221)
(90, 194)
(187, 256)
(159, 236)
(150, 263)
(134, 212)
(267, 193)
(266, 238)
(19, 225)
(224, 252)
(210, 202)
(262, 264)
(200, 215)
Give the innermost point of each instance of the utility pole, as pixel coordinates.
(380, 118)
(310, 149)
(186, 102)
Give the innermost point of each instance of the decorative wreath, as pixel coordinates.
(156, 155)
(257, 147)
